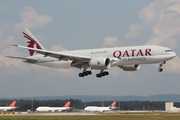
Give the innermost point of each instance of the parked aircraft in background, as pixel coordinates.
(126, 58)
(101, 109)
(53, 109)
(10, 107)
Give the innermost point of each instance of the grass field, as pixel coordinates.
(96, 117)
(105, 116)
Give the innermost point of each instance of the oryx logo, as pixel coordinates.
(31, 43)
(98, 63)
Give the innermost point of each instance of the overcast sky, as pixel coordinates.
(84, 24)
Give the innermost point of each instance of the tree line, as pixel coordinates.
(24, 105)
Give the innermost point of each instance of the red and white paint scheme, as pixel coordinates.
(101, 109)
(10, 107)
(55, 109)
(67, 104)
(126, 58)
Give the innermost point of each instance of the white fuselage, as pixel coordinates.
(52, 109)
(147, 54)
(98, 109)
(7, 108)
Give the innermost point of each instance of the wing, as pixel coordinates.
(58, 55)
(78, 60)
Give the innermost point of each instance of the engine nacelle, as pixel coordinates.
(100, 63)
(130, 67)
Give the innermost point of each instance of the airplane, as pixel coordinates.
(53, 109)
(127, 58)
(101, 109)
(10, 107)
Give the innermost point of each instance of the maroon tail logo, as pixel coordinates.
(32, 43)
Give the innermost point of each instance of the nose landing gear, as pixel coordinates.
(160, 66)
(160, 69)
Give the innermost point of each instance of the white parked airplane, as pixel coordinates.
(126, 58)
(101, 109)
(53, 109)
(10, 107)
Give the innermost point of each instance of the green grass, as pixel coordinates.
(96, 117)
(107, 116)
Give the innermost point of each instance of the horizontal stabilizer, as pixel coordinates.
(24, 58)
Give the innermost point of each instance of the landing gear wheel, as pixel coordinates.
(85, 73)
(106, 73)
(81, 75)
(89, 72)
(160, 69)
(98, 75)
(102, 74)
(160, 66)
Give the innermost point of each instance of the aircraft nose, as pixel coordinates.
(174, 54)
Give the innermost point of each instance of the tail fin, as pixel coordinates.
(31, 41)
(67, 104)
(113, 104)
(12, 104)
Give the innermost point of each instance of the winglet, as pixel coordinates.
(16, 45)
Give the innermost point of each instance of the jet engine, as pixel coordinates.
(100, 63)
(130, 67)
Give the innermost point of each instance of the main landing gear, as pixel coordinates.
(160, 66)
(99, 75)
(85, 73)
(102, 73)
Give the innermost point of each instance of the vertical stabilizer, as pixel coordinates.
(169, 106)
(67, 104)
(31, 41)
(113, 105)
(12, 104)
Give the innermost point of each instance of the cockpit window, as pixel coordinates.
(168, 50)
